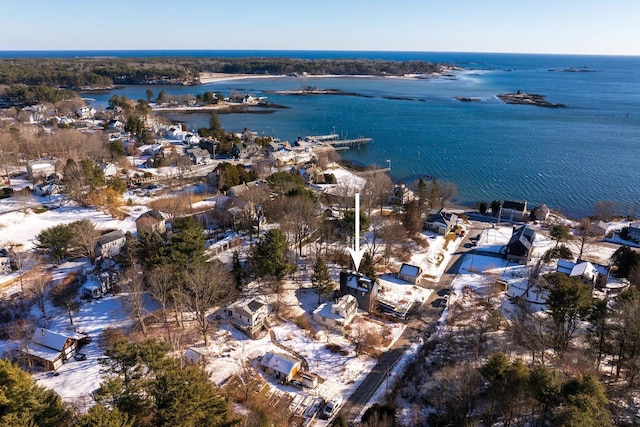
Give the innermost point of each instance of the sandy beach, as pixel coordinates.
(220, 77)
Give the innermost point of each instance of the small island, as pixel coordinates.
(523, 98)
(467, 99)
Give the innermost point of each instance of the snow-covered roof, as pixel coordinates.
(279, 363)
(50, 339)
(409, 270)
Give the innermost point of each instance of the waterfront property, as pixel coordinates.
(520, 246)
(514, 210)
(440, 221)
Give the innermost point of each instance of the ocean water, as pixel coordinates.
(568, 158)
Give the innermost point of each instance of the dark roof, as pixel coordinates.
(441, 217)
(521, 241)
(153, 213)
(110, 237)
(519, 206)
(255, 305)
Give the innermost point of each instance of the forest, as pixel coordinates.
(95, 72)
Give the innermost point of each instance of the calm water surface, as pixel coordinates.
(568, 158)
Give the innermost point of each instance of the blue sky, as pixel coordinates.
(527, 26)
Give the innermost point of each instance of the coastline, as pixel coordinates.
(206, 78)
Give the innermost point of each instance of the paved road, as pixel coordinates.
(422, 321)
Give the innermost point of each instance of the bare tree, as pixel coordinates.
(37, 289)
(65, 294)
(300, 219)
(204, 287)
(132, 285)
(84, 238)
(376, 191)
(585, 236)
(161, 282)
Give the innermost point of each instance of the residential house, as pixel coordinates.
(441, 221)
(249, 316)
(52, 349)
(401, 195)
(520, 246)
(48, 188)
(409, 273)
(109, 169)
(110, 244)
(363, 288)
(337, 315)
(589, 273)
(198, 156)
(513, 210)
(192, 139)
(242, 189)
(86, 112)
(281, 367)
(542, 212)
(41, 168)
(151, 221)
(6, 262)
(634, 232)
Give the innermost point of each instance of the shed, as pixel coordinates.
(409, 273)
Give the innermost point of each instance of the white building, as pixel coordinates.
(337, 315)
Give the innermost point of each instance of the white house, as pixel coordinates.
(86, 112)
(109, 169)
(337, 315)
(110, 244)
(409, 273)
(41, 168)
(248, 315)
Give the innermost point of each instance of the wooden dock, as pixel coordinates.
(349, 142)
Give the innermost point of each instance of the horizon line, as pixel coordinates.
(311, 50)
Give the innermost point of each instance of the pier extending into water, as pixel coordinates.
(349, 142)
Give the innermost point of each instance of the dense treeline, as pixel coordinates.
(28, 95)
(76, 73)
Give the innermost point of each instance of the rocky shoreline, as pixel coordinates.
(523, 98)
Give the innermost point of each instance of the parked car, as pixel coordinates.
(331, 407)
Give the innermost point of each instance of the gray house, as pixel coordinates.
(441, 221)
(363, 288)
(520, 246)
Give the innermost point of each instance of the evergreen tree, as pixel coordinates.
(100, 416)
(271, 256)
(238, 271)
(187, 245)
(321, 279)
(367, 266)
(625, 260)
(569, 299)
(55, 241)
(187, 397)
(23, 403)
